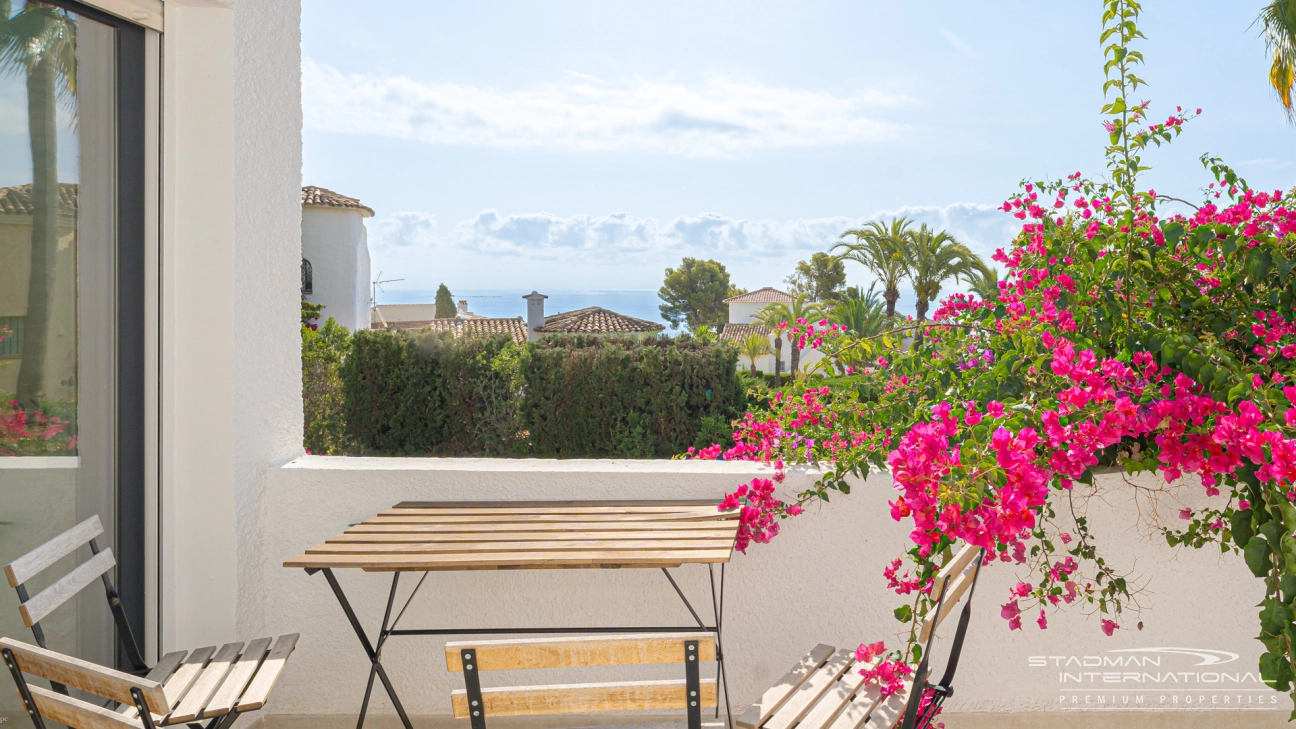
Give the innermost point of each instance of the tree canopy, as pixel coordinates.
(445, 305)
(693, 294)
(822, 278)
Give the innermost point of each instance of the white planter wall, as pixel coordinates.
(819, 581)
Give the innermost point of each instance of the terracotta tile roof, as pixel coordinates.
(475, 327)
(319, 197)
(17, 200)
(596, 320)
(767, 295)
(738, 333)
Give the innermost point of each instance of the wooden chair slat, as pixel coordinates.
(859, 709)
(620, 650)
(161, 673)
(227, 695)
(888, 713)
(84, 675)
(521, 559)
(800, 702)
(46, 601)
(953, 594)
(184, 676)
(196, 698)
(483, 547)
(259, 690)
(555, 536)
(584, 698)
(775, 696)
(835, 700)
(77, 713)
(955, 566)
(27, 566)
(555, 526)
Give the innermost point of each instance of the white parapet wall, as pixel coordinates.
(820, 581)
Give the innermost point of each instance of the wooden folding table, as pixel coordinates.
(459, 535)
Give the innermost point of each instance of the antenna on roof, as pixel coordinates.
(373, 297)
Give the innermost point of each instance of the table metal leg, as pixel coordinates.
(720, 663)
(717, 608)
(375, 654)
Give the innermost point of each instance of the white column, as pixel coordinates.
(197, 551)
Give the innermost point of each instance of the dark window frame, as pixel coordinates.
(307, 278)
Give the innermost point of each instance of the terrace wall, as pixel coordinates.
(819, 581)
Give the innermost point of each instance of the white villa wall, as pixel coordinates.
(406, 312)
(744, 313)
(335, 241)
(819, 581)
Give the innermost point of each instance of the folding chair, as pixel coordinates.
(825, 691)
(205, 683)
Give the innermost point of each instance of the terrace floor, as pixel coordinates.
(1149, 719)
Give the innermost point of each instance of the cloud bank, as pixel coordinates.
(631, 251)
(718, 118)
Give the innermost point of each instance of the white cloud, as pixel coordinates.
(537, 250)
(718, 118)
(402, 230)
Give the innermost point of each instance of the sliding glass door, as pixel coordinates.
(71, 305)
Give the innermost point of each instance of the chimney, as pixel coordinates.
(463, 307)
(535, 313)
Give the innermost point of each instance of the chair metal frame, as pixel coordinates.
(916, 715)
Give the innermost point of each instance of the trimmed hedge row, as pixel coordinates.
(570, 397)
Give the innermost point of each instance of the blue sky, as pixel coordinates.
(588, 145)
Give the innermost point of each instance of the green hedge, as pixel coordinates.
(571, 397)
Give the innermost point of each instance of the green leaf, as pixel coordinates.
(1258, 263)
(1275, 670)
(1257, 554)
(1241, 526)
(903, 613)
(1275, 616)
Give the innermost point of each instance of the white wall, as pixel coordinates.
(334, 240)
(744, 313)
(819, 581)
(407, 312)
(267, 406)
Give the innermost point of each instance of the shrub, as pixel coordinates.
(428, 393)
(323, 352)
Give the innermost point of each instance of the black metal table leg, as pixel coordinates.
(375, 655)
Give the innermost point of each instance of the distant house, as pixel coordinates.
(744, 310)
(335, 255)
(60, 364)
(590, 320)
(475, 326)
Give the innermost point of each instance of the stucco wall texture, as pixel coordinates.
(819, 581)
(267, 228)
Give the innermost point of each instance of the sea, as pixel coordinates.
(500, 303)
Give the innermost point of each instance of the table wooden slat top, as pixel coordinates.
(428, 536)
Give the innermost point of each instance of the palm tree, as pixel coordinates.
(932, 258)
(861, 312)
(880, 248)
(794, 314)
(1278, 22)
(754, 346)
(773, 319)
(40, 43)
(985, 283)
